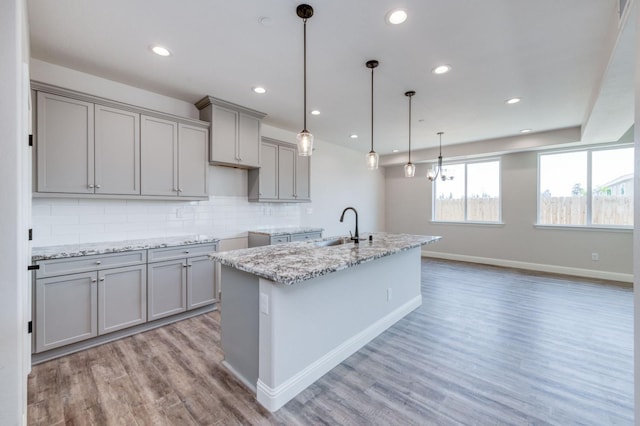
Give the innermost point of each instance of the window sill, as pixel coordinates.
(597, 228)
(488, 224)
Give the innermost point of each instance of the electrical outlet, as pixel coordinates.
(595, 256)
(389, 294)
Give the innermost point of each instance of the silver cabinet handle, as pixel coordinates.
(98, 262)
(93, 280)
(179, 189)
(102, 279)
(91, 186)
(98, 186)
(186, 252)
(190, 265)
(184, 265)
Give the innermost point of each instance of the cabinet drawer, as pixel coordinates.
(169, 253)
(54, 267)
(280, 239)
(306, 236)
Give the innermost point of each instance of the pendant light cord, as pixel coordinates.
(372, 109)
(305, 73)
(410, 128)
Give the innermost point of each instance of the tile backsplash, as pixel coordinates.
(71, 221)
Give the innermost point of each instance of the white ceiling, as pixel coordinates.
(550, 53)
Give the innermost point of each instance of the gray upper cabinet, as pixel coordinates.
(159, 156)
(287, 172)
(192, 170)
(235, 132)
(303, 178)
(91, 146)
(64, 145)
(283, 176)
(117, 151)
(173, 158)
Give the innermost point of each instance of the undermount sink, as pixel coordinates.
(330, 243)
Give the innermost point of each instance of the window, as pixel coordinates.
(473, 195)
(586, 188)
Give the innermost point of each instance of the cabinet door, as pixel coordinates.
(286, 172)
(167, 292)
(159, 156)
(122, 298)
(303, 190)
(64, 145)
(66, 310)
(192, 161)
(224, 136)
(200, 282)
(117, 151)
(269, 172)
(249, 141)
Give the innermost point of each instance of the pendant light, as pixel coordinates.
(409, 168)
(439, 171)
(372, 156)
(305, 138)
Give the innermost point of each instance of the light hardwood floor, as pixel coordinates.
(489, 346)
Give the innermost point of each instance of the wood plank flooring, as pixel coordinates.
(489, 346)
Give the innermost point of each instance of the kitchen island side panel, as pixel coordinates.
(239, 322)
(312, 326)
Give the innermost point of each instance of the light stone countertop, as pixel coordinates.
(285, 230)
(86, 249)
(296, 262)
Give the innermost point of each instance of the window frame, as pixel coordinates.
(466, 177)
(589, 190)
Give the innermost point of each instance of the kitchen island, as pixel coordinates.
(292, 312)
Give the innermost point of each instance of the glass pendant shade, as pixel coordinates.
(372, 160)
(305, 143)
(431, 174)
(409, 170)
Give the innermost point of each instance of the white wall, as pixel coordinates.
(636, 235)
(14, 354)
(515, 243)
(339, 179)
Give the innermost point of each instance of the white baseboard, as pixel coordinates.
(578, 272)
(274, 398)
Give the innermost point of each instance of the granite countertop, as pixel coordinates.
(293, 263)
(285, 230)
(86, 249)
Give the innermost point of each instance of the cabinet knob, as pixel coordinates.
(93, 280)
(190, 265)
(98, 186)
(184, 265)
(102, 279)
(98, 262)
(90, 186)
(179, 189)
(186, 252)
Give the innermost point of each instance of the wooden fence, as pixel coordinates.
(607, 210)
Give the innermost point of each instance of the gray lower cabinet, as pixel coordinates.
(257, 239)
(66, 310)
(180, 279)
(122, 298)
(82, 297)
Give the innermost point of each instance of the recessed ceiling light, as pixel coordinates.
(396, 150)
(161, 51)
(396, 16)
(441, 69)
(526, 131)
(259, 89)
(315, 112)
(512, 101)
(353, 136)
